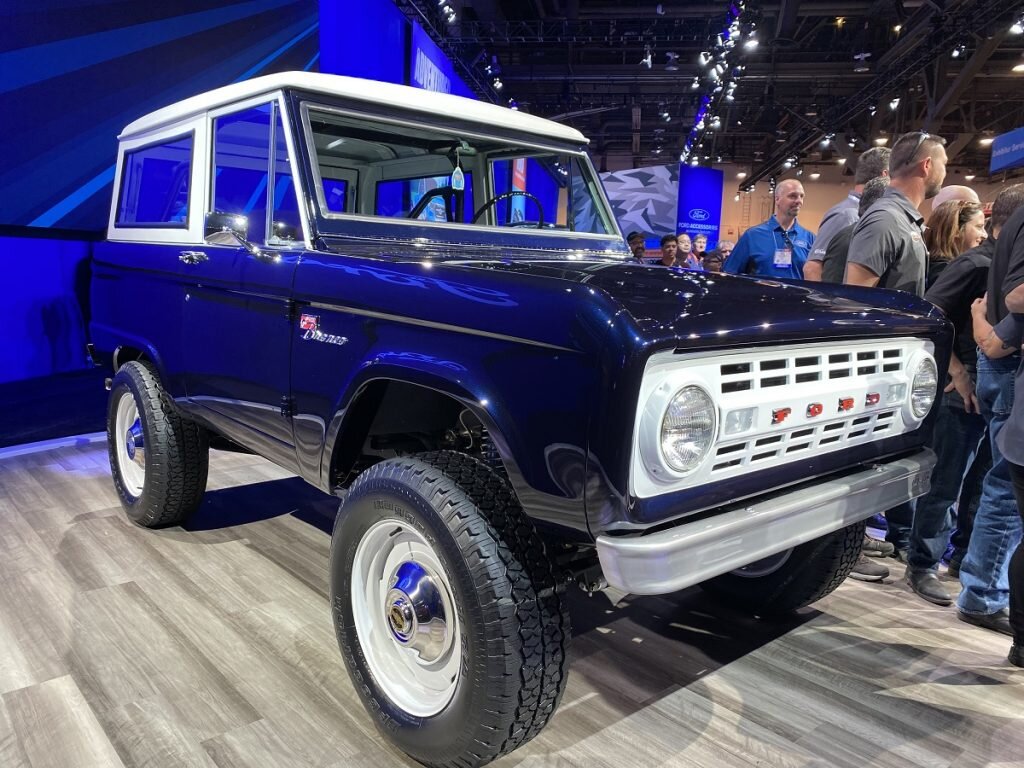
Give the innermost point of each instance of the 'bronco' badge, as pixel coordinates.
(310, 327)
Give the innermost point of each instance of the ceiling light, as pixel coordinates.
(840, 21)
(704, 59)
(736, 198)
(872, 109)
(881, 141)
(894, 104)
(815, 176)
(841, 160)
(695, 84)
(898, 28)
(1018, 26)
(646, 60)
(694, 161)
(958, 50)
(969, 177)
(741, 175)
(498, 85)
(751, 43)
(1018, 68)
(787, 165)
(987, 141)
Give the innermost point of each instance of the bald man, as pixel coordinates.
(955, 192)
(779, 246)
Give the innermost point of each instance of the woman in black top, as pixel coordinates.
(953, 228)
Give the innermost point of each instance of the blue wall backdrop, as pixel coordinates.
(75, 73)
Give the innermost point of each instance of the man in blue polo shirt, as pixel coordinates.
(779, 246)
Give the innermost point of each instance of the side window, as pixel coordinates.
(336, 195)
(155, 185)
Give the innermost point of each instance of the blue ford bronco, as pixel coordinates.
(422, 304)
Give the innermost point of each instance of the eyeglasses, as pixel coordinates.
(786, 241)
(922, 138)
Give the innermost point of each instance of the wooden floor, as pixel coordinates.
(213, 646)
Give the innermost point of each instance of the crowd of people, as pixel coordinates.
(972, 270)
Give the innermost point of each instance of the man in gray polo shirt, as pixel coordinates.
(871, 165)
(887, 249)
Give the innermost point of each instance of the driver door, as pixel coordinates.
(237, 331)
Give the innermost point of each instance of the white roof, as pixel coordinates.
(372, 91)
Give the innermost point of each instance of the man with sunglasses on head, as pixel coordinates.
(779, 246)
(887, 250)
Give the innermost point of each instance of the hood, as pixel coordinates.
(688, 308)
(653, 306)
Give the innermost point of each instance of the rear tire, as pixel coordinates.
(480, 666)
(159, 460)
(782, 584)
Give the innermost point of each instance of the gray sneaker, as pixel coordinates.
(865, 570)
(876, 548)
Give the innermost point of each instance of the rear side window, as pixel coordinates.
(155, 185)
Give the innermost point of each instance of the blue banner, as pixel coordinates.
(431, 69)
(1008, 151)
(700, 202)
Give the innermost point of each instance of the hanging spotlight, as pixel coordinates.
(1018, 26)
(513, 104)
(894, 104)
(751, 43)
(872, 110)
(704, 59)
(958, 50)
(497, 84)
(695, 84)
(647, 60)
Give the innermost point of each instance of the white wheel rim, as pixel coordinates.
(765, 566)
(130, 445)
(411, 644)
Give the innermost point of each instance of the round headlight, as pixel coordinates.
(688, 428)
(922, 391)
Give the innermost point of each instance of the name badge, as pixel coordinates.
(783, 258)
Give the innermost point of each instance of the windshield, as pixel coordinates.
(420, 173)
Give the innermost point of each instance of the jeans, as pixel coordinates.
(955, 442)
(898, 521)
(967, 504)
(997, 525)
(1017, 563)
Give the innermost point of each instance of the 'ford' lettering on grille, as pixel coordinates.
(699, 214)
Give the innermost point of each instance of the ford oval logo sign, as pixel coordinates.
(699, 214)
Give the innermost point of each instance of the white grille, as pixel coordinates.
(807, 367)
(778, 405)
(805, 440)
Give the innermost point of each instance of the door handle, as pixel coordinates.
(193, 257)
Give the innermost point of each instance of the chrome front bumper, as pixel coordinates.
(690, 553)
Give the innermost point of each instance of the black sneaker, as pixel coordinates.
(876, 548)
(953, 570)
(1016, 656)
(997, 622)
(926, 584)
(865, 570)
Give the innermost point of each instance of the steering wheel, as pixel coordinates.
(505, 196)
(446, 192)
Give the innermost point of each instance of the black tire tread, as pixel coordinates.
(819, 567)
(522, 598)
(177, 452)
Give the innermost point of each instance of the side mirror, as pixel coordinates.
(232, 229)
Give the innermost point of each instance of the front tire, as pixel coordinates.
(447, 609)
(793, 579)
(159, 460)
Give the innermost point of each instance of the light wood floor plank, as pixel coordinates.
(57, 728)
(212, 646)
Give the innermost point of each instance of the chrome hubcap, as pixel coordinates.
(415, 612)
